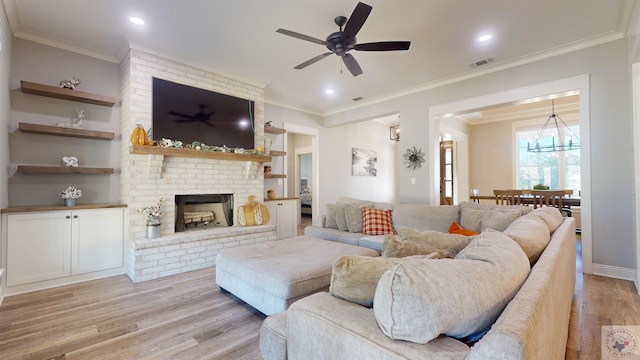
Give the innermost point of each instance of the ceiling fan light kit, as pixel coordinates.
(343, 41)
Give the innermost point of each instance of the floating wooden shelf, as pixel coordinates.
(66, 94)
(277, 153)
(61, 131)
(44, 169)
(274, 176)
(274, 130)
(191, 153)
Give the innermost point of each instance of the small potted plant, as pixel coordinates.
(70, 195)
(153, 213)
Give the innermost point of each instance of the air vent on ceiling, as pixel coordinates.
(357, 98)
(482, 62)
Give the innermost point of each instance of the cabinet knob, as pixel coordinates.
(67, 217)
(75, 216)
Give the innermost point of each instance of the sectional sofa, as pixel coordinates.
(506, 295)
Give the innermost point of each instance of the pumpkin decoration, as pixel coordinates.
(139, 136)
(251, 213)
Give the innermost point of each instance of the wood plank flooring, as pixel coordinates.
(187, 316)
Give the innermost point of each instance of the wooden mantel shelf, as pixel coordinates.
(191, 153)
(66, 94)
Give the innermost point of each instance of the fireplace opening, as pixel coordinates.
(203, 211)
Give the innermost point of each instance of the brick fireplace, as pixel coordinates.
(147, 177)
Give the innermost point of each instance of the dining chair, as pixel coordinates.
(550, 198)
(508, 197)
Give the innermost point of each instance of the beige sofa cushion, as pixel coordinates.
(439, 240)
(330, 218)
(341, 217)
(417, 300)
(531, 233)
(394, 248)
(478, 217)
(425, 217)
(354, 278)
(353, 215)
(550, 215)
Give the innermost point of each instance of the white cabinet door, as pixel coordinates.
(272, 206)
(287, 218)
(97, 242)
(283, 214)
(39, 246)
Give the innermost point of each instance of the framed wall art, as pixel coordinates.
(363, 162)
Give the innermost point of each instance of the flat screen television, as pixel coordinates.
(187, 113)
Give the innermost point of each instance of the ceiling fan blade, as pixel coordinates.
(301, 36)
(352, 65)
(185, 120)
(383, 46)
(179, 114)
(313, 60)
(357, 19)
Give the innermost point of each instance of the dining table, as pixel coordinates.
(527, 199)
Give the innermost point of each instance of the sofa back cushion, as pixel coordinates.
(531, 233)
(479, 217)
(425, 217)
(438, 240)
(417, 300)
(394, 248)
(354, 278)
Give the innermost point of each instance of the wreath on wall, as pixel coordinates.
(413, 158)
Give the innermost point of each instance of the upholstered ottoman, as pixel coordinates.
(272, 275)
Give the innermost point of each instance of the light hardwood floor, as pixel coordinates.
(186, 316)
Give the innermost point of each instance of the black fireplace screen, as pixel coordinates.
(203, 211)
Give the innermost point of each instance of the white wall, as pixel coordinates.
(612, 177)
(47, 65)
(5, 107)
(335, 165)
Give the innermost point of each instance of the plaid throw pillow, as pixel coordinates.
(377, 222)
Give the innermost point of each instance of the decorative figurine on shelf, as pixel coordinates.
(251, 213)
(70, 161)
(267, 169)
(271, 194)
(75, 123)
(70, 195)
(70, 84)
(269, 124)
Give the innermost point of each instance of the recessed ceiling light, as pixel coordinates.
(485, 37)
(329, 91)
(136, 20)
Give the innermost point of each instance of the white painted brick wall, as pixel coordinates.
(146, 178)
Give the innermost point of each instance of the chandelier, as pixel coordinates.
(562, 143)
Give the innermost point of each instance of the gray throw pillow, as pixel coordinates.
(354, 218)
(330, 218)
(341, 218)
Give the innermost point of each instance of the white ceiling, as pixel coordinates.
(238, 38)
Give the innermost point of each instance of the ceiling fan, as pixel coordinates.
(343, 41)
(199, 116)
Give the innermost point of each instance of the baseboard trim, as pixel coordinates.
(615, 272)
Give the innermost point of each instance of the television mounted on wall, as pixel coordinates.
(187, 113)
